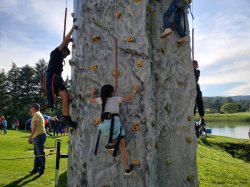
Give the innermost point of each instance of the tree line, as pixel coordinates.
(226, 105)
(19, 87)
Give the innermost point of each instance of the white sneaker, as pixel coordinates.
(183, 39)
(166, 32)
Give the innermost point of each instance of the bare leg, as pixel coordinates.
(124, 153)
(65, 102)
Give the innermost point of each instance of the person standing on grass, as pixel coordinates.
(4, 124)
(37, 138)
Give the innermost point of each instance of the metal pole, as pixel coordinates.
(58, 149)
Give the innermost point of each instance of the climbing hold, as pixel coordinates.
(156, 145)
(94, 67)
(96, 38)
(168, 162)
(118, 14)
(180, 83)
(137, 1)
(190, 118)
(136, 88)
(189, 140)
(190, 178)
(97, 121)
(153, 124)
(71, 62)
(135, 127)
(106, 186)
(116, 73)
(73, 15)
(136, 162)
(73, 46)
(139, 63)
(131, 39)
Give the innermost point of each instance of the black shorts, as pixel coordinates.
(54, 84)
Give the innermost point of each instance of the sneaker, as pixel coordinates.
(166, 32)
(202, 122)
(183, 39)
(66, 120)
(129, 170)
(34, 171)
(41, 173)
(109, 147)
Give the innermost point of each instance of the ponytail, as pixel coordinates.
(106, 92)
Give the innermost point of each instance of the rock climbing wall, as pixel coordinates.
(159, 122)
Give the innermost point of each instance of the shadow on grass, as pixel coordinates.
(62, 181)
(22, 181)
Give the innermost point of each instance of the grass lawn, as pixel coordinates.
(16, 172)
(222, 162)
(235, 117)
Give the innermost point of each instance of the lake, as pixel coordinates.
(234, 130)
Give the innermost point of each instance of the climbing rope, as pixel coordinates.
(116, 51)
(65, 19)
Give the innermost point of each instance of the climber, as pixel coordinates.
(199, 101)
(110, 123)
(54, 82)
(176, 8)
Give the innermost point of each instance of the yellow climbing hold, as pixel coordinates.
(96, 38)
(116, 73)
(94, 67)
(139, 63)
(136, 88)
(180, 83)
(97, 121)
(189, 140)
(189, 118)
(135, 127)
(168, 162)
(118, 14)
(136, 162)
(137, 1)
(131, 39)
(190, 178)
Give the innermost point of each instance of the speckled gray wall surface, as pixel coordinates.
(165, 144)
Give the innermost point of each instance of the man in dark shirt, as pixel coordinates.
(199, 101)
(54, 82)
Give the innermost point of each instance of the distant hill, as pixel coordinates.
(235, 98)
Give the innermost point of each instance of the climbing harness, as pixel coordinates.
(110, 145)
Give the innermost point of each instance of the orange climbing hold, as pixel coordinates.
(97, 121)
(139, 63)
(136, 127)
(131, 39)
(96, 38)
(136, 162)
(94, 67)
(116, 73)
(118, 14)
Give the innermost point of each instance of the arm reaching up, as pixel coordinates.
(66, 40)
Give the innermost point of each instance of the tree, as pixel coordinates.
(229, 108)
(4, 97)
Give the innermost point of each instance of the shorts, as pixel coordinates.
(105, 128)
(54, 84)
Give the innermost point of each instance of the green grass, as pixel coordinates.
(16, 172)
(236, 117)
(222, 162)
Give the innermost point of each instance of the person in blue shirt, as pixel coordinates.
(4, 124)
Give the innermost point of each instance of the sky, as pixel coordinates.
(31, 29)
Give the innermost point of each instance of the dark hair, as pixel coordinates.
(195, 61)
(106, 92)
(36, 106)
(66, 49)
